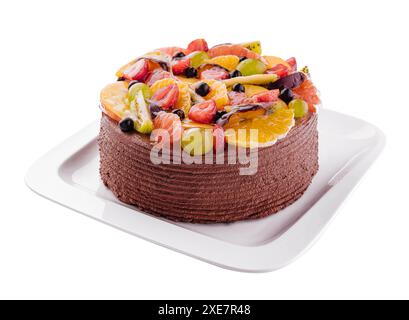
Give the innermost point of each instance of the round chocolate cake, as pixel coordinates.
(202, 108)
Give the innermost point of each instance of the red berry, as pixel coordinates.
(166, 97)
(218, 138)
(279, 70)
(215, 73)
(268, 96)
(180, 65)
(155, 75)
(203, 112)
(198, 45)
(293, 63)
(138, 71)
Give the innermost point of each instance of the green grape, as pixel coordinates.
(300, 107)
(250, 67)
(143, 121)
(279, 104)
(197, 58)
(133, 91)
(197, 141)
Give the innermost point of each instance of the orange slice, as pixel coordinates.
(114, 100)
(218, 92)
(268, 127)
(228, 62)
(252, 90)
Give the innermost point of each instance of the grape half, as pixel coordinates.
(249, 67)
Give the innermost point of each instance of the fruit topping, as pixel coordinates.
(272, 61)
(191, 72)
(203, 112)
(260, 79)
(141, 112)
(180, 54)
(254, 46)
(137, 71)
(218, 93)
(197, 141)
(180, 113)
(237, 98)
(232, 49)
(166, 97)
(287, 95)
(169, 122)
(202, 89)
(308, 92)
(268, 96)
(126, 125)
(291, 81)
(238, 87)
(293, 64)
(250, 67)
(197, 58)
(156, 75)
(186, 124)
(154, 109)
(114, 101)
(259, 128)
(171, 51)
(235, 73)
(280, 70)
(210, 71)
(228, 62)
(184, 101)
(180, 65)
(300, 107)
(252, 90)
(136, 87)
(132, 83)
(198, 45)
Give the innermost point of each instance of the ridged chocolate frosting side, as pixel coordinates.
(203, 193)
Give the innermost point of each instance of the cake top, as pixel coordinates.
(204, 98)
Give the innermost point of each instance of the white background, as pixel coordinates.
(55, 57)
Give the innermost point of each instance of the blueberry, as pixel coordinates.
(219, 114)
(179, 55)
(132, 83)
(191, 72)
(238, 87)
(287, 95)
(126, 125)
(155, 109)
(121, 79)
(235, 74)
(180, 113)
(242, 59)
(203, 89)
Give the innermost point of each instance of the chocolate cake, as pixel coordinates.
(280, 104)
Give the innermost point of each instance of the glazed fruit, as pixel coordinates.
(143, 120)
(197, 58)
(126, 125)
(156, 75)
(218, 93)
(268, 127)
(166, 97)
(252, 90)
(137, 71)
(179, 66)
(197, 141)
(232, 49)
(169, 122)
(183, 102)
(228, 62)
(254, 46)
(136, 87)
(259, 79)
(210, 71)
(309, 93)
(198, 45)
(300, 107)
(272, 61)
(180, 113)
(280, 70)
(191, 72)
(250, 67)
(287, 95)
(203, 112)
(238, 87)
(293, 63)
(114, 101)
(202, 89)
(238, 98)
(291, 81)
(267, 96)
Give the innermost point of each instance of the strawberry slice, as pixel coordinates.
(166, 97)
(215, 73)
(218, 139)
(268, 96)
(138, 71)
(198, 45)
(180, 65)
(279, 69)
(293, 63)
(203, 112)
(155, 75)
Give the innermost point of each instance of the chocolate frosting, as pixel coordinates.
(203, 193)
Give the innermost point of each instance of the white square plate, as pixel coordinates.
(69, 175)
